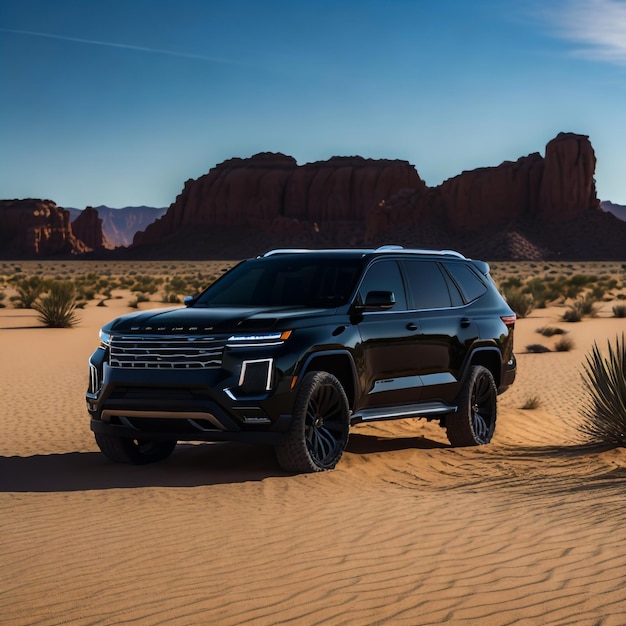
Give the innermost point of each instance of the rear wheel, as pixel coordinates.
(474, 422)
(133, 451)
(319, 426)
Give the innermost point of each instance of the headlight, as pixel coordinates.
(105, 338)
(262, 339)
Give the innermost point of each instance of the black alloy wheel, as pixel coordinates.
(475, 420)
(320, 426)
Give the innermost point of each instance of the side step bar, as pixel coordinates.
(426, 409)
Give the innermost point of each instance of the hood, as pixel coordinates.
(201, 320)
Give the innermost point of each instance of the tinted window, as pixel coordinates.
(428, 285)
(384, 276)
(470, 285)
(285, 280)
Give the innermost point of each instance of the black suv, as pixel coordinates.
(296, 346)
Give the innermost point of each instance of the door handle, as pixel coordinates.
(412, 326)
(465, 322)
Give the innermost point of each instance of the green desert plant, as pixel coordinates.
(619, 310)
(521, 303)
(28, 290)
(565, 344)
(549, 331)
(140, 297)
(2, 297)
(57, 309)
(573, 314)
(605, 380)
(588, 305)
(537, 348)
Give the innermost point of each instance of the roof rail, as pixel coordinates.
(389, 246)
(392, 248)
(386, 248)
(284, 251)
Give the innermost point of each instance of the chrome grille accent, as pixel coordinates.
(94, 382)
(166, 352)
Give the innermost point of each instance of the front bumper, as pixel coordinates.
(186, 404)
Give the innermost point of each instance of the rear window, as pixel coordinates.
(471, 286)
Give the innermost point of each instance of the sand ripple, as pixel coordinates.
(406, 530)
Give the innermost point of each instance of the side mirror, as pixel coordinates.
(376, 300)
(188, 300)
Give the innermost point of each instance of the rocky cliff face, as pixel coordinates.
(36, 228)
(557, 188)
(270, 191)
(88, 228)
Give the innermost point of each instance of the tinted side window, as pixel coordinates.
(470, 285)
(384, 276)
(428, 285)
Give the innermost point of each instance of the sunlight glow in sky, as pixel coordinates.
(119, 103)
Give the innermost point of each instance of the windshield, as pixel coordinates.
(285, 280)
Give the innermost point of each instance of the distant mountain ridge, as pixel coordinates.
(618, 210)
(534, 208)
(120, 225)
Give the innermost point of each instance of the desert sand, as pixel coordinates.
(406, 530)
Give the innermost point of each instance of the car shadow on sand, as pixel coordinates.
(189, 466)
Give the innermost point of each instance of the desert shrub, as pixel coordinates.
(520, 302)
(565, 344)
(537, 347)
(619, 310)
(533, 402)
(28, 290)
(510, 283)
(57, 309)
(140, 297)
(573, 314)
(146, 284)
(588, 305)
(549, 331)
(2, 297)
(605, 380)
(538, 289)
(171, 298)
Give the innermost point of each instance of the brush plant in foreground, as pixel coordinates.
(57, 309)
(605, 379)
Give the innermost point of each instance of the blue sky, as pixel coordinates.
(120, 102)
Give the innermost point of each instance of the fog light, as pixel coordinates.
(256, 376)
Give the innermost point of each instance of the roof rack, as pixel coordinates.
(392, 248)
(385, 248)
(285, 251)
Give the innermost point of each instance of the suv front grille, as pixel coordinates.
(188, 352)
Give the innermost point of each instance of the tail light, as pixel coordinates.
(509, 320)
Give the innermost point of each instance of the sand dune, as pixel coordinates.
(406, 530)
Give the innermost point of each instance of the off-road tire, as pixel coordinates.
(133, 451)
(319, 426)
(474, 422)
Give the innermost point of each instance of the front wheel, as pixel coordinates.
(474, 422)
(133, 451)
(319, 426)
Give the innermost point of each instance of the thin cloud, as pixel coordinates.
(598, 26)
(95, 42)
